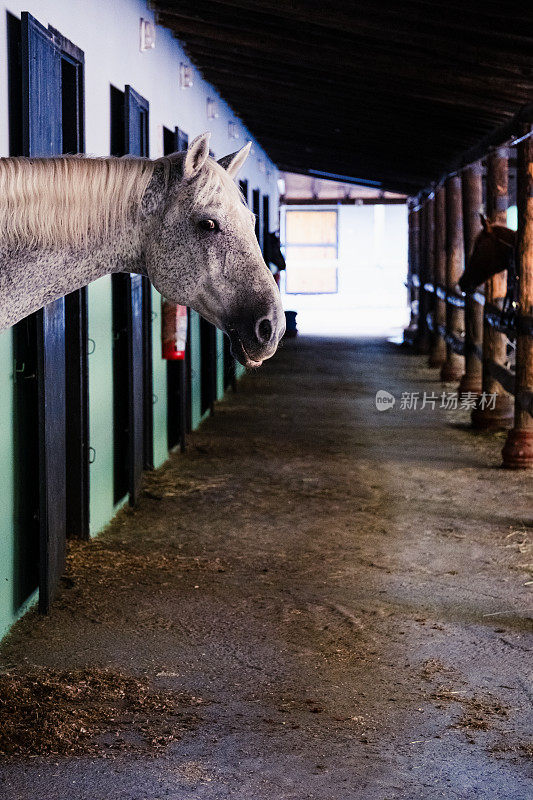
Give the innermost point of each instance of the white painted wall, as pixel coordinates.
(372, 268)
(108, 33)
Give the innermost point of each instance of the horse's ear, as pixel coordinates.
(485, 224)
(197, 155)
(233, 163)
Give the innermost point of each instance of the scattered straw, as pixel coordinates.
(87, 712)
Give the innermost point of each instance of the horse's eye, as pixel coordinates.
(208, 225)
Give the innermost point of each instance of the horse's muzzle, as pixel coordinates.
(253, 340)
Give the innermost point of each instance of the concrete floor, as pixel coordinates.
(345, 589)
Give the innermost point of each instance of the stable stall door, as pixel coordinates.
(229, 366)
(132, 325)
(256, 208)
(76, 313)
(42, 136)
(136, 144)
(266, 223)
(208, 352)
(177, 388)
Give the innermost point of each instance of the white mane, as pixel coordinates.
(69, 200)
(73, 200)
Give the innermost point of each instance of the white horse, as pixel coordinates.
(180, 220)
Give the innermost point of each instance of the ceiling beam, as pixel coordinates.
(409, 27)
(378, 69)
(393, 91)
(356, 32)
(470, 104)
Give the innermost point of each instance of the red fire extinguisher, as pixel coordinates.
(173, 331)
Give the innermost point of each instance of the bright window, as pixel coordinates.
(311, 251)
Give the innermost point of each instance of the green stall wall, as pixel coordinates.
(8, 609)
(102, 506)
(220, 365)
(159, 385)
(196, 370)
(12, 606)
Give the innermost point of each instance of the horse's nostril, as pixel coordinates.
(263, 330)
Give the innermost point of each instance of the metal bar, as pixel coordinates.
(507, 379)
(456, 344)
(504, 376)
(456, 301)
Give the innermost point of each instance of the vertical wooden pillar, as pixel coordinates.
(518, 449)
(438, 345)
(472, 202)
(497, 415)
(411, 270)
(453, 367)
(430, 271)
(415, 267)
(429, 248)
(422, 339)
(430, 267)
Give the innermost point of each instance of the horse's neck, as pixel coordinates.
(64, 222)
(504, 236)
(31, 278)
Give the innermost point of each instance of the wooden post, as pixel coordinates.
(497, 415)
(415, 255)
(410, 331)
(437, 355)
(518, 449)
(472, 203)
(429, 245)
(453, 367)
(422, 339)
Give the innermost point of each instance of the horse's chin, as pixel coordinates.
(239, 351)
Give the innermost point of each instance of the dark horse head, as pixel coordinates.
(493, 252)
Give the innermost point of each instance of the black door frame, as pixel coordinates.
(177, 383)
(230, 378)
(132, 325)
(208, 368)
(136, 142)
(77, 414)
(42, 136)
(181, 138)
(256, 208)
(121, 297)
(265, 222)
(188, 377)
(76, 319)
(182, 143)
(25, 389)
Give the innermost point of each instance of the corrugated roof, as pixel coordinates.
(389, 91)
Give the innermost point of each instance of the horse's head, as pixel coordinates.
(492, 252)
(202, 251)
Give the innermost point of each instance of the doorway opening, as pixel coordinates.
(132, 325)
(177, 383)
(208, 354)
